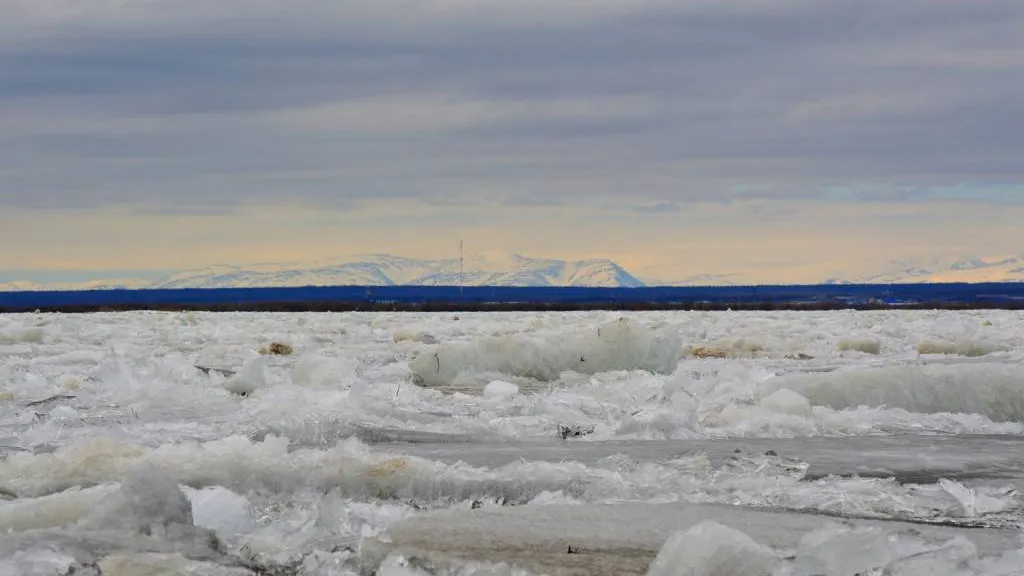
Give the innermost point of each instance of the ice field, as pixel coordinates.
(660, 443)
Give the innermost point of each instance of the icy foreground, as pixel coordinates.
(137, 443)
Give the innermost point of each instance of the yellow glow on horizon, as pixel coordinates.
(802, 242)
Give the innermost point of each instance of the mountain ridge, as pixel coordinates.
(488, 269)
(498, 269)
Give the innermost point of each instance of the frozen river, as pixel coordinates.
(658, 442)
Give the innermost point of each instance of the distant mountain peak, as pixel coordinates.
(958, 268)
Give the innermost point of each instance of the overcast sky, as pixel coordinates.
(680, 136)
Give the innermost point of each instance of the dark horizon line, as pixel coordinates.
(1005, 295)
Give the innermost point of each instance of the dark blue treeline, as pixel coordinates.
(992, 294)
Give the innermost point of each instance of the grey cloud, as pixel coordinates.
(532, 201)
(659, 208)
(662, 102)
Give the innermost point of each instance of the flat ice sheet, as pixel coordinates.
(908, 458)
(612, 540)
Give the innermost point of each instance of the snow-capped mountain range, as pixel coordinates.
(495, 269)
(489, 269)
(944, 269)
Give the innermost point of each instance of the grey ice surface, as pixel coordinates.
(88, 546)
(607, 540)
(908, 458)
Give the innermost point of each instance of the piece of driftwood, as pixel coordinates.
(208, 369)
(50, 399)
(277, 349)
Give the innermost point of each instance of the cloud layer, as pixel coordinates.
(207, 105)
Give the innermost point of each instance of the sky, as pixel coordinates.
(786, 140)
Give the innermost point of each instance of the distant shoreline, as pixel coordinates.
(357, 306)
